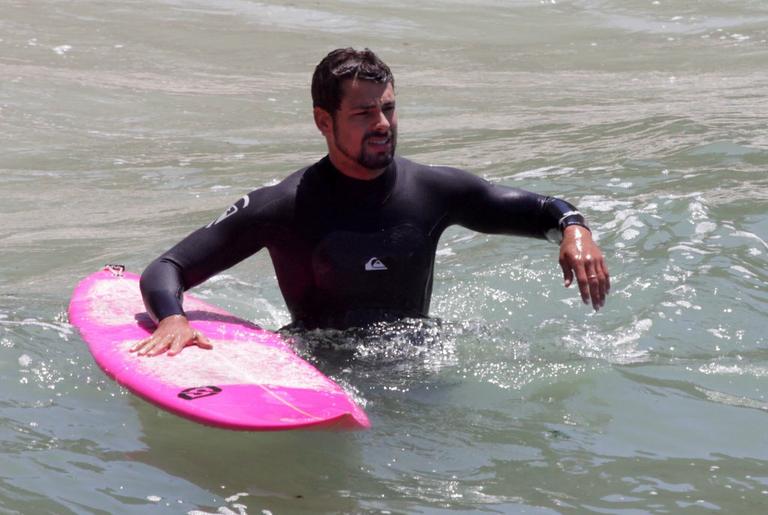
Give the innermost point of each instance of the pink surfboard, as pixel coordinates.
(250, 380)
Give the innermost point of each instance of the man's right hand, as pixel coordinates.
(173, 333)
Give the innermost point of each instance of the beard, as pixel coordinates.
(370, 160)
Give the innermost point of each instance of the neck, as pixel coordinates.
(352, 169)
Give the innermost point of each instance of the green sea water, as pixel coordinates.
(126, 125)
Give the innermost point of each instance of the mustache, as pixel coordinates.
(374, 134)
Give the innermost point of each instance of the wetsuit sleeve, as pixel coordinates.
(490, 208)
(234, 236)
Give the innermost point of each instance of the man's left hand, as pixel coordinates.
(581, 257)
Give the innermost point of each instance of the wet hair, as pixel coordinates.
(343, 64)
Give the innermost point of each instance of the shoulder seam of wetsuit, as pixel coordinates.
(283, 195)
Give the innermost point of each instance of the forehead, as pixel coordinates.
(364, 92)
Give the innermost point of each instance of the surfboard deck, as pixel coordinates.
(251, 379)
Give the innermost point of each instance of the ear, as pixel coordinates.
(323, 121)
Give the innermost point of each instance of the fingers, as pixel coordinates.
(582, 274)
(582, 258)
(176, 345)
(596, 291)
(583, 278)
(198, 339)
(155, 344)
(145, 345)
(172, 342)
(592, 279)
(595, 284)
(567, 273)
(202, 341)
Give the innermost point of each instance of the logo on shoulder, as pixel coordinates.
(199, 392)
(231, 210)
(375, 264)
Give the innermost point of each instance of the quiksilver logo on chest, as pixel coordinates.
(374, 264)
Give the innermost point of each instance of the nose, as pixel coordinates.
(382, 122)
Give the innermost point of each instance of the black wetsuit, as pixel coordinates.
(350, 252)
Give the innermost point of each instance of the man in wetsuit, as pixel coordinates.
(353, 236)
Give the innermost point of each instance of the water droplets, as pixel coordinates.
(24, 361)
(62, 49)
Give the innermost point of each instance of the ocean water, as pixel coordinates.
(126, 125)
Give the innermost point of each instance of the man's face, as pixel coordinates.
(363, 132)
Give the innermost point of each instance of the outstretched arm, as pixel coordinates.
(498, 209)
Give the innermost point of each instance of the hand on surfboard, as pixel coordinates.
(581, 257)
(173, 333)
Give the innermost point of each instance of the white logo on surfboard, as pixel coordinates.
(231, 210)
(375, 264)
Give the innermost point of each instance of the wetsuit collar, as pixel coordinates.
(374, 192)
